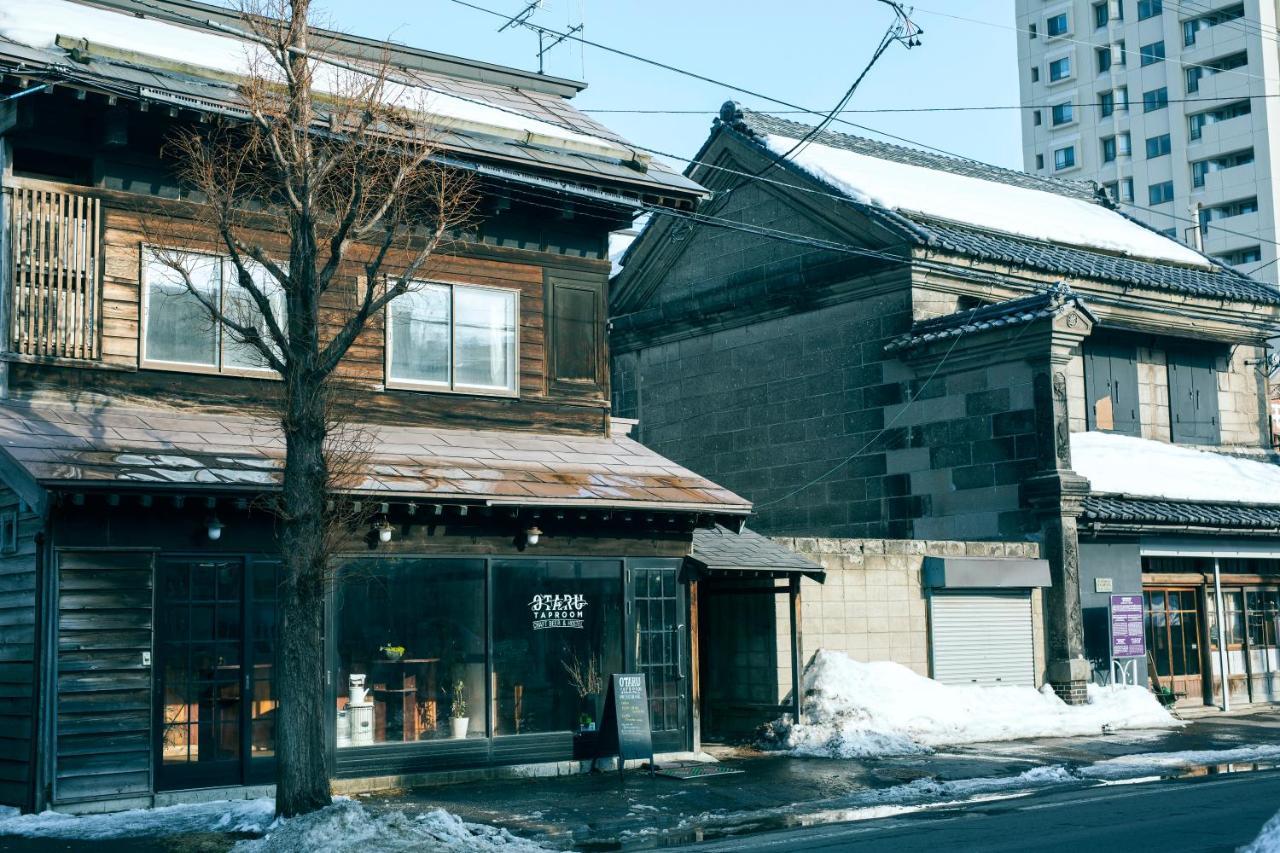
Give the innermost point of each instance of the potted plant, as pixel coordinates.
(458, 719)
(587, 679)
(391, 652)
(586, 723)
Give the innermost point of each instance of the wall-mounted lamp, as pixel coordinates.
(214, 528)
(532, 535)
(383, 528)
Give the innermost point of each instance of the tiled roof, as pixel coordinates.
(1013, 312)
(721, 550)
(213, 93)
(1217, 281)
(118, 446)
(1106, 508)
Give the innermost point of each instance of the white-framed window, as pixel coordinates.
(443, 336)
(178, 331)
(1064, 158)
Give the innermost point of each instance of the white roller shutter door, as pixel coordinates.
(982, 637)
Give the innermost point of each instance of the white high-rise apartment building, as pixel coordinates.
(1171, 105)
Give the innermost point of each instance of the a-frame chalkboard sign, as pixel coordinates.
(624, 726)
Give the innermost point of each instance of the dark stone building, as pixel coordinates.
(873, 341)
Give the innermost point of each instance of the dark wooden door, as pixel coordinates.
(658, 605)
(215, 698)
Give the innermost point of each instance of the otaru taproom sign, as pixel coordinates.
(558, 611)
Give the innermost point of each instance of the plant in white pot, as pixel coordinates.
(458, 719)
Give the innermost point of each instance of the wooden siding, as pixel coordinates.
(129, 223)
(18, 650)
(103, 724)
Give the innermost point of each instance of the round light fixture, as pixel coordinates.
(214, 528)
(532, 535)
(384, 530)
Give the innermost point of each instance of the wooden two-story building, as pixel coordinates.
(512, 544)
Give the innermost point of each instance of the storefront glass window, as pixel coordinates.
(410, 637)
(557, 636)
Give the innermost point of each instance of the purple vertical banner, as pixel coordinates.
(1128, 639)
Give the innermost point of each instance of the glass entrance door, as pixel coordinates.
(214, 686)
(659, 652)
(1173, 639)
(1262, 611)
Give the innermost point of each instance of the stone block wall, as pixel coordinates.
(1153, 394)
(873, 605)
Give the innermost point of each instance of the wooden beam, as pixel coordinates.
(797, 655)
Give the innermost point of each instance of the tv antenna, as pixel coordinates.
(546, 39)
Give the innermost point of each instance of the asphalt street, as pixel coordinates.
(1210, 813)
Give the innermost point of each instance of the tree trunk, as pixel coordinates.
(302, 773)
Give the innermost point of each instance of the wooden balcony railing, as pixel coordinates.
(55, 273)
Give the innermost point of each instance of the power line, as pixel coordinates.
(880, 110)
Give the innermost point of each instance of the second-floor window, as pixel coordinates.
(1193, 396)
(179, 331)
(1111, 387)
(454, 337)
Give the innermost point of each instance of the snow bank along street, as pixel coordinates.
(854, 709)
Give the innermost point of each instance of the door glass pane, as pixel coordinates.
(557, 637)
(200, 676)
(420, 335)
(179, 328)
(485, 338)
(411, 651)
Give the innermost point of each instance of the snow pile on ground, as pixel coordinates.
(857, 709)
(1040, 215)
(1268, 840)
(234, 816)
(1123, 464)
(348, 827)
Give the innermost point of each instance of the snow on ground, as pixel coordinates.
(1123, 464)
(1268, 840)
(345, 827)
(248, 816)
(348, 827)
(854, 709)
(1128, 766)
(1040, 215)
(37, 23)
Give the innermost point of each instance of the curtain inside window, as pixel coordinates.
(485, 338)
(420, 335)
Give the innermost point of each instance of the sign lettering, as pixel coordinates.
(1128, 637)
(558, 611)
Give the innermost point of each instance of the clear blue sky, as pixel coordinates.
(803, 51)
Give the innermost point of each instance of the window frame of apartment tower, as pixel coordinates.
(1149, 9)
(1160, 145)
(1058, 25)
(1064, 158)
(1150, 54)
(1060, 69)
(1063, 114)
(1197, 122)
(1154, 100)
(1161, 192)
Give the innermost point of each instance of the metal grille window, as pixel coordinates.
(56, 265)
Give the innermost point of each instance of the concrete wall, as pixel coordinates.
(873, 605)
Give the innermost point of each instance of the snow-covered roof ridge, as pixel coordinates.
(1140, 467)
(928, 188)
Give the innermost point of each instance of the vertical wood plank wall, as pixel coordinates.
(103, 723)
(54, 308)
(18, 600)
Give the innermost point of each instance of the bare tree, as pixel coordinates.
(329, 203)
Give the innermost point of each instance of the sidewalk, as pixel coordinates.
(636, 811)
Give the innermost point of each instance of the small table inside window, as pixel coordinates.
(395, 694)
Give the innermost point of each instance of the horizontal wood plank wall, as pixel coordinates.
(17, 656)
(103, 721)
(127, 230)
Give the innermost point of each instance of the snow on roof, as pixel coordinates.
(1041, 215)
(38, 23)
(1122, 464)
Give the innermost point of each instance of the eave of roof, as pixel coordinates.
(721, 551)
(1013, 312)
(1123, 510)
(120, 447)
